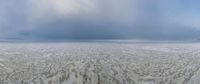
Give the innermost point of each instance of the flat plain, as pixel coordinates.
(99, 63)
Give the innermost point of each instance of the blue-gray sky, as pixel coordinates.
(99, 19)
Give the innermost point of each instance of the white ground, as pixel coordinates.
(99, 63)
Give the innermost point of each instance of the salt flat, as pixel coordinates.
(99, 63)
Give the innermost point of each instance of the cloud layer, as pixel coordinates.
(99, 19)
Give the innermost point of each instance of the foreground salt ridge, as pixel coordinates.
(99, 63)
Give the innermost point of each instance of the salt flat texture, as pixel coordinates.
(99, 63)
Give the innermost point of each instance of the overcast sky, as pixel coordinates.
(99, 19)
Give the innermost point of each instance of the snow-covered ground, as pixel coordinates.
(99, 63)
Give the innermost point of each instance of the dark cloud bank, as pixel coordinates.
(65, 30)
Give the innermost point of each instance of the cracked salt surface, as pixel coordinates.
(99, 63)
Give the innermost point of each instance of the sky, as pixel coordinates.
(99, 19)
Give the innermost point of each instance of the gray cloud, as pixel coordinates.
(99, 19)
